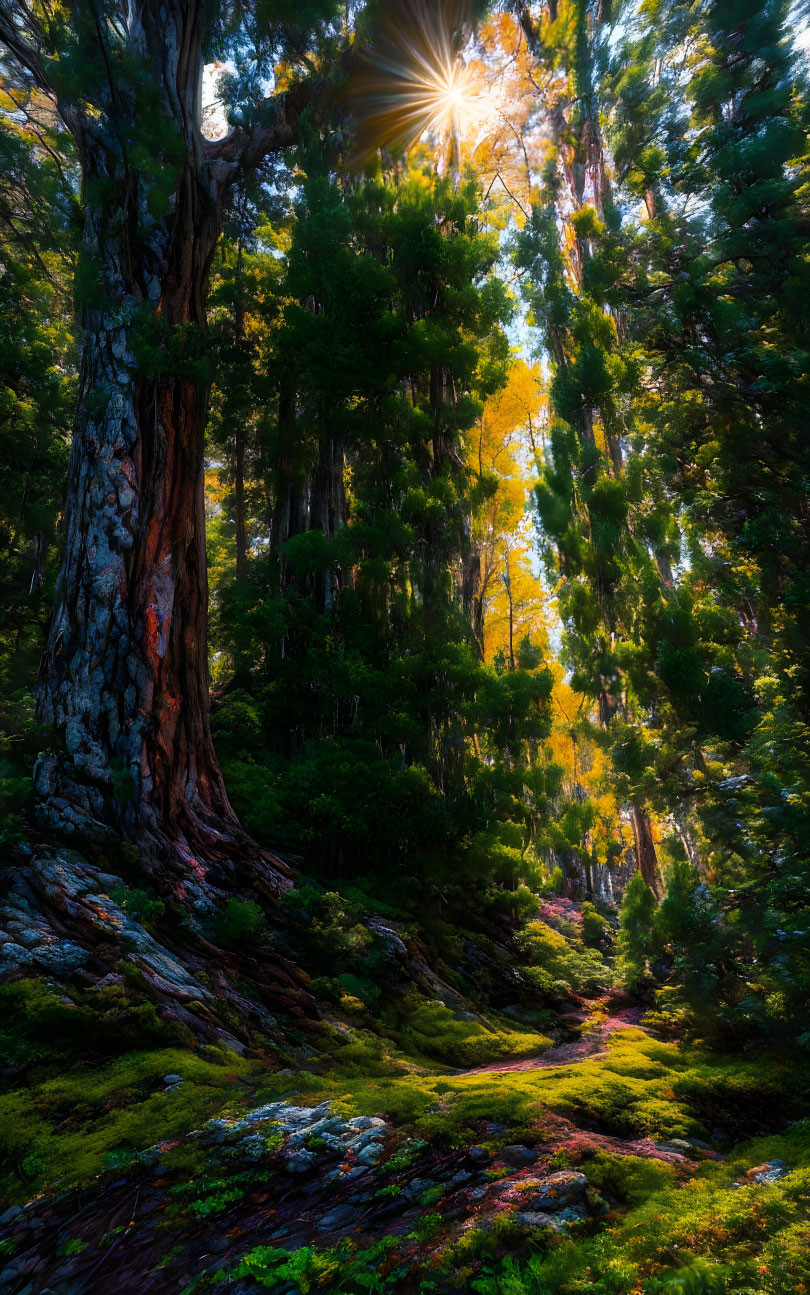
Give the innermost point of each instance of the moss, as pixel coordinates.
(40, 1024)
(433, 1031)
(60, 1131)
(558, 964)
(629, 1092)
(628, 1179)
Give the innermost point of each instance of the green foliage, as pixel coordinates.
(636, 940)
(557, 965)
(241, 922)
(597, 932)
(431, 1030)
(379, 743)
(58, 1129)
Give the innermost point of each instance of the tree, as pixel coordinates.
(585, 494)
(125, 680)
(37, 388)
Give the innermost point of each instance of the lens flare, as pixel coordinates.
(412, 78)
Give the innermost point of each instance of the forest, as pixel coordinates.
(404, 647)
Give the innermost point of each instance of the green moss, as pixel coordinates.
(628, 1092)
(432, 1030)
(628, 1179)
(40, 1024)
(557, 964)
(60, 1130)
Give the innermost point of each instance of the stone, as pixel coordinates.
(573, 1214)
(771, 1172)
(370, 1153)
(414, 1189)
(61, 956)
(557, 1191)
(172, 1079)
(13, 1212)
(300, 1163)
(12, 957)
(537, 1219)
(479, 1156)
(346, 1175)
(519, 1155)
(340, 1217)
(364, 1139)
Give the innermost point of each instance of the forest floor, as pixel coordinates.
(614, 1161)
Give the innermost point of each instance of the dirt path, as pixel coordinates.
(591, 1043)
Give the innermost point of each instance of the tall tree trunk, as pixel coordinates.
(239, 490)
(240, 436)
(644, 846)
(124, 679)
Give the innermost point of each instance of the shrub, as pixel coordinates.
(240, 922)
(557, 965)
(636, 937)
(597, 933)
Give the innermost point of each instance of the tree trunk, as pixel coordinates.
(644, 845)
(125, 679)
(239, 490)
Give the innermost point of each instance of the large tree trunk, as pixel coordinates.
(644, 846)
(124, 679)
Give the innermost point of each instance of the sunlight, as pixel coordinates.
(414, 80)
(453, 100)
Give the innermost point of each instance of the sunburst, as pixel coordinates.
(413, 79)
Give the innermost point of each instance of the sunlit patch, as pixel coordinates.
(413, 78)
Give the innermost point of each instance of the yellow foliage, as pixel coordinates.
(501, 452)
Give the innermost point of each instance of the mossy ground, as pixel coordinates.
(641, 1088)
(81, 1101)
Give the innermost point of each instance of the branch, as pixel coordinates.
(242, 150)
(19, 38)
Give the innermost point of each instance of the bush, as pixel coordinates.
(597, 933)
(557, 966)
(637, 934)
(241, 922)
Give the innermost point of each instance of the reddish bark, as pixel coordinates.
(124, 680)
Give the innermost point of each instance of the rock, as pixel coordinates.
(13, 1212)
(573, 1214)
(172, 1079)
(364, 1139)
(519, 1155)
(340, 1217)
(536, 1219)
(253, 1147)
(557, 1191)
(13, 957)
(300, 1163)
(61, 956)
(29, 936)
(770, 1172)
(414, 1189)
(479, 1156)
(363, 1122)
(346, 1175)
(370, 1153)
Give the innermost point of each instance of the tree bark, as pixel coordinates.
(124, 680)
(239, 490)
(644, 846)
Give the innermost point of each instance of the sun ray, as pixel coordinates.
(413, 78)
